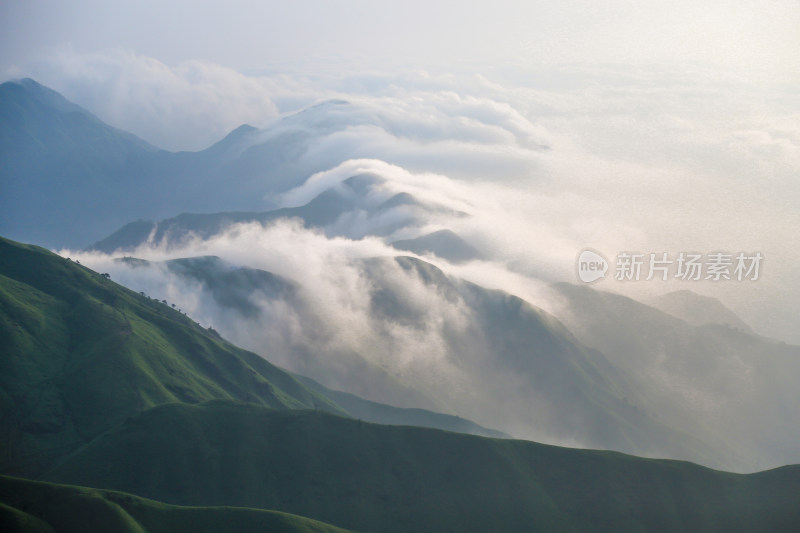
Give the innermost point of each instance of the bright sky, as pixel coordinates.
(255, 34)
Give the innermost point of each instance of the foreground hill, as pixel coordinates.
(395, 478)
(81, 353)
(30, 506)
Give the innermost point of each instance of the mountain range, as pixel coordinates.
(336, 367)
(700, 392)
(50, 144)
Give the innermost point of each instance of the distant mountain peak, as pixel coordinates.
(236, 141)
(443, 243)
(698, 310)
(30, 88)
(240, 132)
(329, 103)
(50, 144)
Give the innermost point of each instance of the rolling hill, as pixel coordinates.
(82, 353)
(443, 243)
(698, 310)
(30, 506)
(398, 478)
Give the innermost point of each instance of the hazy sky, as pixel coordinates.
(255, 34)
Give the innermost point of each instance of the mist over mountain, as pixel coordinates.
(399, 266)
(485, 355)
(698, 310)
(405, 252)
(51, 144)
(428, 339)
(190, 439)
(358, 206)
(532, 208)
(315, 280)
(716, 378)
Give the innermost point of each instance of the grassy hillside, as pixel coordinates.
(81, 353)
(105, 388)
(394, 478)
(30, 506)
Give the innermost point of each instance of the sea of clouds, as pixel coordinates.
(546, 161)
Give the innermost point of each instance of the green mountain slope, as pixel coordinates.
(81, 353)
(105, 388)
(30, 506)
(396, 478)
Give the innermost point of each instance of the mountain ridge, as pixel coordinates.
(33, 506)
(50, 144)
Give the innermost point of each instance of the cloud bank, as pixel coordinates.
(553, 160)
